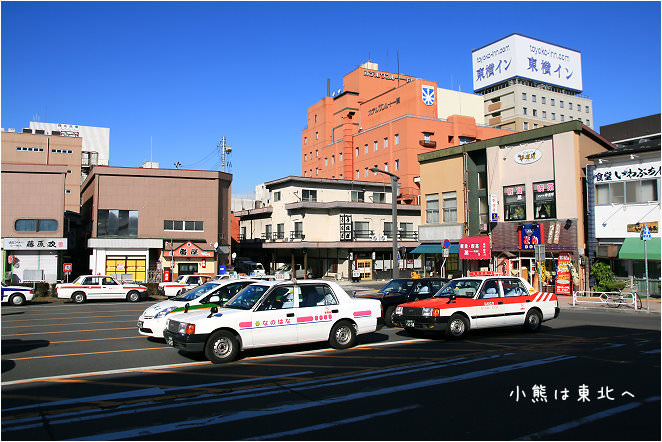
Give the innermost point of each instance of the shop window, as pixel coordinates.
(514, 202)
(544, 200)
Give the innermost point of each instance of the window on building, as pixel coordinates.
(406, 231)
(277, 196)
(544, 200)
(543, 100)
(588, 122)
(268, 232)
(449, 201)
(358, 176)
(385, 143)
(482, 180)
(535, 112)
(526, 125)
(340, 156)
(427, 137)
(553, 116)
(535, 125)
(397, 164)
(524, 111)
(183, 226)
(432, 208)
(561, 104)
(378, 197)
(569, 106)
(562, 117)
(280, 231)
(326, 161)
(36, 225)
(628, 192)
(118, 223)
(361, 229)
(586, 109)
(533, 98)
(333, 159)
(552, 101)
(317, 171)
(317, 135)
(305, 157)
(376, 145)
(366, 172)
(466, 140)
(309, 195)
(514, 202)
(375, 167)
(544, 114)
(483, 211)
(298, 229)
(386, 167)
(524, 96)
(388, 229)
(365, 149)
(357, 152)
(397, 139)
(305, 140)
(358, 196)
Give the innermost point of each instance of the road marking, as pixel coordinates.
(288, 408)
(70, 323)
(65, 317)
(90, 353)
(587, 419)
(50, 332)
(318, 427)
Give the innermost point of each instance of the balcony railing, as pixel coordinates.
(362, 234)
(427, 143)
(295, 234)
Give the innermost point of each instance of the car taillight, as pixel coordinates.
(436, 312)
(190, 329)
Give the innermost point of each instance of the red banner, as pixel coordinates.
(563, 276)
(189, 250)
(475, 247)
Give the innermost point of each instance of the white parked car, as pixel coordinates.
(274, 313)
(16, 295)
(153, 320)
(99, 287)
(285, 272)
(182, 284)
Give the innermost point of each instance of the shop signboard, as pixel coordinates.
(530, 235)
(563, 276)
(475, 247)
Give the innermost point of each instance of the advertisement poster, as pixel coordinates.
(563, 276)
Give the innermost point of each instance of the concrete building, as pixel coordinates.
(328, 226)
(527, 83)
(145, 223)
(638, 132)
(33, 220)
(382, 119)
(52, 150)
(498, 198)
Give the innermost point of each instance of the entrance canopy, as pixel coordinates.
(633, 248)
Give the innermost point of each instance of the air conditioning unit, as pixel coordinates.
(374, 237)
(382, 238)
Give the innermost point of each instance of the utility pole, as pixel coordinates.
(394, 216)
(224, 150)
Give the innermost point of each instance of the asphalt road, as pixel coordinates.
(82, 371)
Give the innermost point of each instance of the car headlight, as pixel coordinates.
(427, 311)
(398, 310)
(164, 312)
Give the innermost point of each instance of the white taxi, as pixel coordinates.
(153, 320)
(99, 287)
(272, 313)
(478, 302)
(16, 295)
(181, 284)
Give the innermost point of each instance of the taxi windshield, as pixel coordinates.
(196, 292)
(246, 299)
(180, 279)
(397, 286)
(461, 288)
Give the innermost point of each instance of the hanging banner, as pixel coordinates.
(563, 276)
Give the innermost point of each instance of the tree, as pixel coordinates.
(604, 278)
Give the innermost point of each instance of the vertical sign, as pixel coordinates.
(494, 207)
(563, 281)
(346, 228)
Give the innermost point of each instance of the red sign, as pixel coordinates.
(67, 268)
(10, 259)
(475, 247)
(563, 276)
(189, 250)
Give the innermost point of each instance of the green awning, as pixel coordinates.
(633, 248)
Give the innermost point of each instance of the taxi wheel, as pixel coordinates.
(78, 297)
(221, 347)
(17, 300)
(343, 335)
(133, 296)
(533, 320)
(388, 316)
(457, 326)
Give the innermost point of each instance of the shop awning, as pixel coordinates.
(432, 249)
(633, 248)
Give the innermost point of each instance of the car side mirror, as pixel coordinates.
(215, 300)
(451, 298)
(186, 306)
(212, 311)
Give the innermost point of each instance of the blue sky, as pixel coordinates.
(186, 74)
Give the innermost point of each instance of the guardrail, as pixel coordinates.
(609, 299)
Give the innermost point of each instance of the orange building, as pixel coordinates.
(384, 120)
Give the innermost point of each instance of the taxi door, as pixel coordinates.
(489, 309)
(516, 300)
(274, 320)
(318, 308)
(110, 288)
(93, 287)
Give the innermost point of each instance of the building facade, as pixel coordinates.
(383, 120)
(96, 140)
(148, 222)
(55, 150)
(33, 221)
(528, 83)
(330, 227)
(499, 198)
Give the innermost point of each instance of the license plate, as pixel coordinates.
(409, 323)
(140, 324)
(169, 340)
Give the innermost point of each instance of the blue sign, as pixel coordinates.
(446, 243)
(530, 236)
(646, 233)
(221, 270)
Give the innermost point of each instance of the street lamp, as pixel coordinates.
(394, 213)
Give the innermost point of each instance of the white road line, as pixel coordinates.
(190, 364)
(586, 419)
(318, 427)
(143, 432)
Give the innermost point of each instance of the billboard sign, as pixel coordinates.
(524, 57)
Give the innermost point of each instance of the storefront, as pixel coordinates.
(127, 259)
(34, 259)
(186, 259)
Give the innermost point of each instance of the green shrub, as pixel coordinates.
(41, 289)
(604, 278)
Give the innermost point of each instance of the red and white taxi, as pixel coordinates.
(274, 313)
(182, 284)
(99, 287)
(478, 302)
